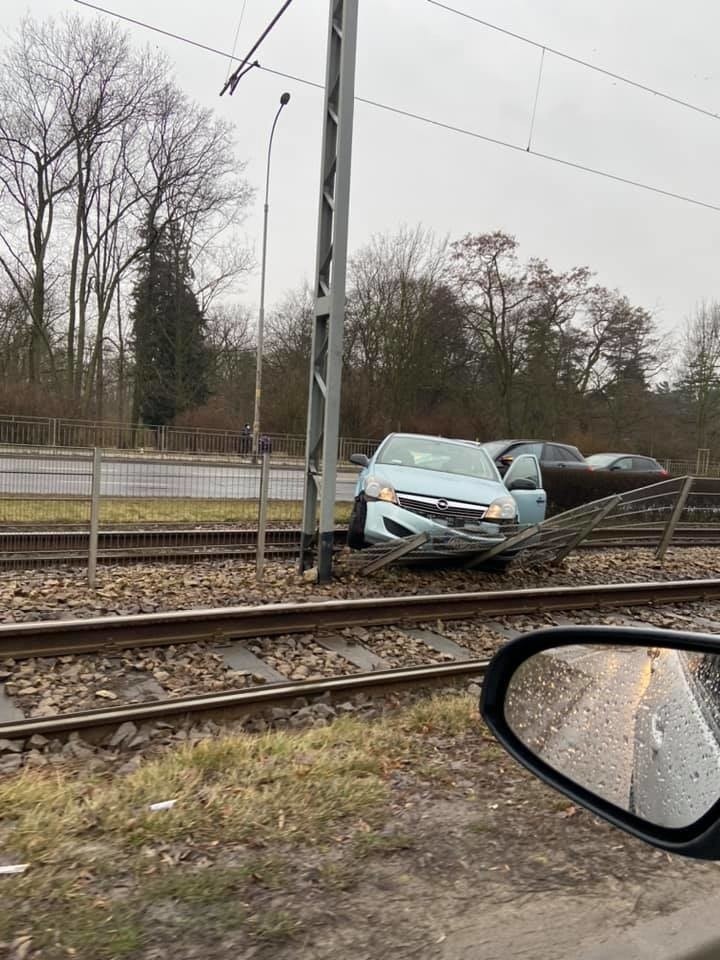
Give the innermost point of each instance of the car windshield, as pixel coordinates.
(602, 459)
(446, 457)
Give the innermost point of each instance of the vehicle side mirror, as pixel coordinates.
(506, 460)
(360, 459)
(615, 466)
(623, 721)
(522, 483)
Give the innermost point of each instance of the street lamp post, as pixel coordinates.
(284, 100)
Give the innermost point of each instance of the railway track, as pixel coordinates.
(111, 634)
(181, 543)
(107, 634)
(65, 546)
(233, 705)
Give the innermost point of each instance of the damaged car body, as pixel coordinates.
(449, 489)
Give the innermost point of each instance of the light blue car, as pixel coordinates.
(450, 489)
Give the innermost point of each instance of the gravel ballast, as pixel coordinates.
(47, 686)
(65, 594)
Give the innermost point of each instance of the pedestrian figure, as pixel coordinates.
(245, 439)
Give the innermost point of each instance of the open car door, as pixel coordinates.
(524, 483)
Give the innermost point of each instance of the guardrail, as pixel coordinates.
(698, 468)
(116, 435)
(94, 492)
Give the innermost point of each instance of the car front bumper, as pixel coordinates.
(385, 522)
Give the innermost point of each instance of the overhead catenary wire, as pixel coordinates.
(399, 111)
(245, 65)
(537, 97)
(638, 84)
(235, 41)
(193, 43)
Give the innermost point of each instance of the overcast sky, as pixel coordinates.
(661, 252)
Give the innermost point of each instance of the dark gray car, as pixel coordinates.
(549, 453)
(628, 462)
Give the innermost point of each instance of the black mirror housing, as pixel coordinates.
(522, 483)
(359, 459)
(699, 839)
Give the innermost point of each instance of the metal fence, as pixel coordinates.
(58, 432)
(86, 506)
(682, 510)
(682, 468)
(182, 508)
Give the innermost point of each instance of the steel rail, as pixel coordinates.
(47, 546)
(236, 703)
(111, 634)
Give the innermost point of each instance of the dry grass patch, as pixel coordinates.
(118, 510)
(105, 873)
(236, 787)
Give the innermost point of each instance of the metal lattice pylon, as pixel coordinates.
(327, 337)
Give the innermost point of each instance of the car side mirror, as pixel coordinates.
(623, 721)
(506, 460)
(616, 466)
(522, 483)
(360, 459)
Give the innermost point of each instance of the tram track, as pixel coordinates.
(104, 634)
(234, 704)
(37, 547)
(112, 634)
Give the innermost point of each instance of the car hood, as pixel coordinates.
(433, 483)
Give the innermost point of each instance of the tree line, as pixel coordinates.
(121, 264)
(113, 185)
(465, 338)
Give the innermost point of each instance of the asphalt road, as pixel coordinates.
(594, 741)
(152, 478)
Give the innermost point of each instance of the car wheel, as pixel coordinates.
(356, 526)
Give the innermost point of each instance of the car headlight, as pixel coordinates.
(376, 489)
(504, 508)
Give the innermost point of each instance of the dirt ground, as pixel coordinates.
(414, 836)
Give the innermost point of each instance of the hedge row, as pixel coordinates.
(571, 488)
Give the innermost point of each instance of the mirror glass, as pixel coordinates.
(637, 726)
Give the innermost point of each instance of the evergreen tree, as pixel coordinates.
(172, 363)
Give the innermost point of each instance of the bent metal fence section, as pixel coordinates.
(671, 511)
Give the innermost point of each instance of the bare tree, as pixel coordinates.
(700, 369)
(287, 350)
(549, 376)
(496, 294)
(36, 171)
(404, 339)
(99, 152)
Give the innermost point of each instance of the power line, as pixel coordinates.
(235, 41)
(583, 63)
(193, 43)
(429, 120)
(245, 65)
(543, 156)
(537, 97)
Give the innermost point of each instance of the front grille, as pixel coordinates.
(456, 514)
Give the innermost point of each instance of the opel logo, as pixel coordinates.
(442, 504)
